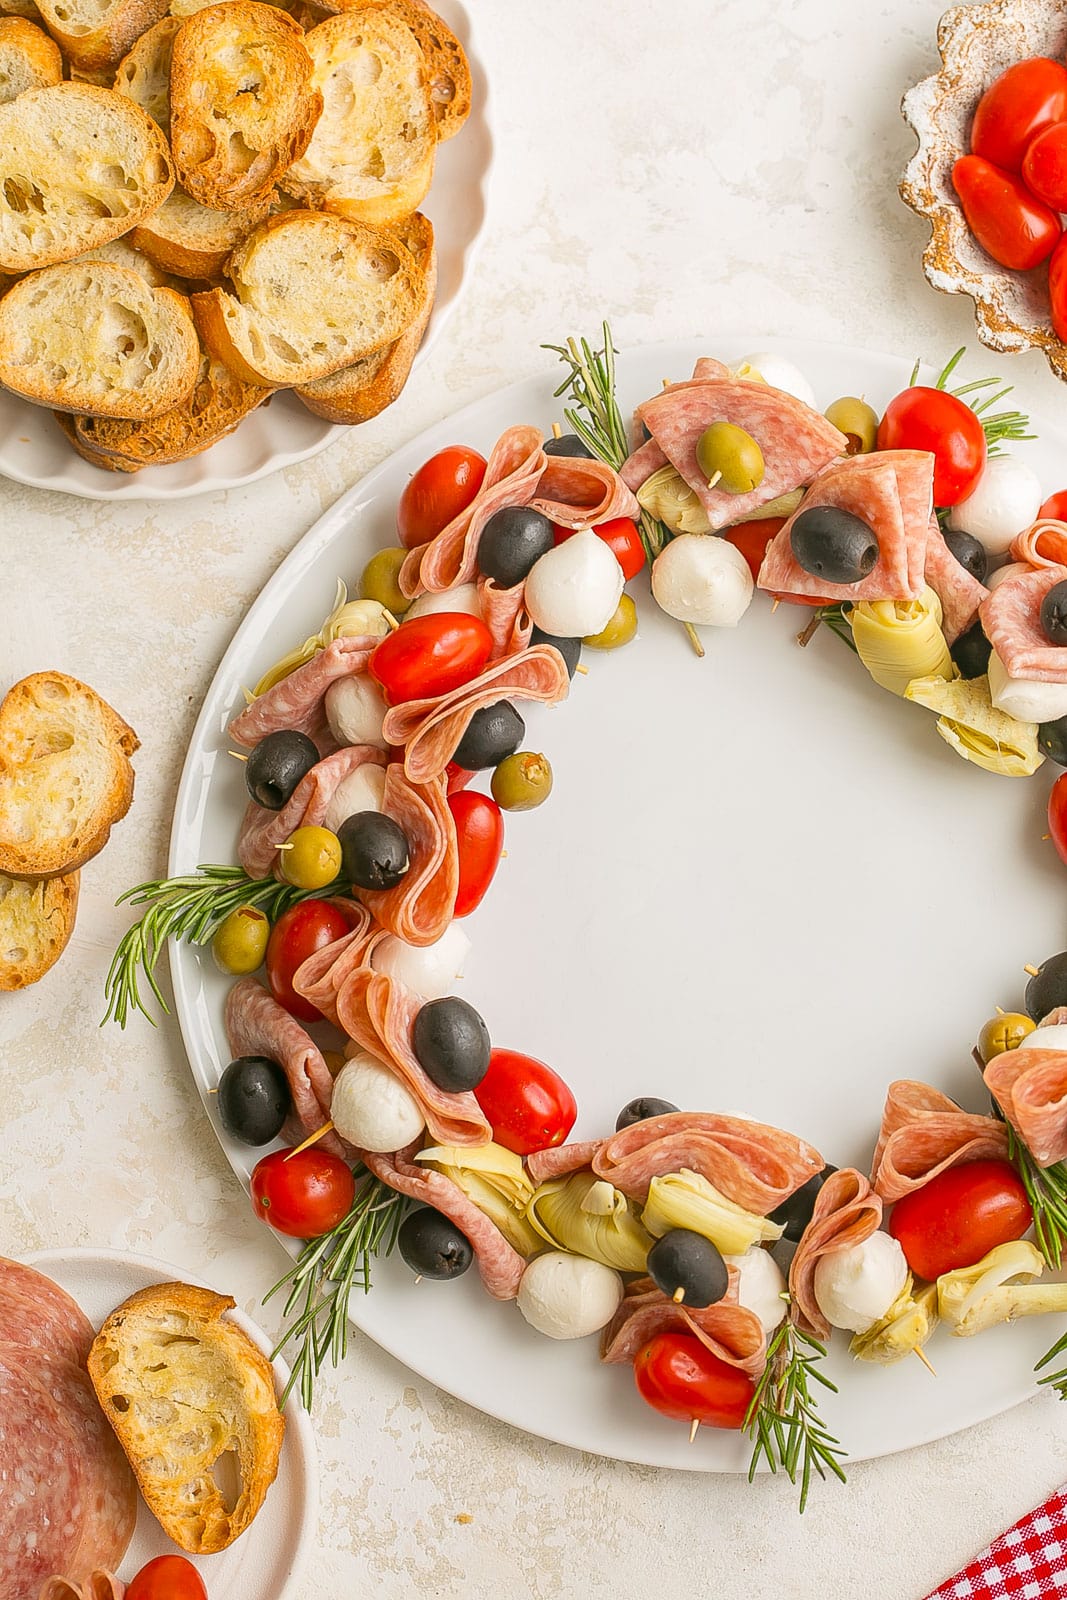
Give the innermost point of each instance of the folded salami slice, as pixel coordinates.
(379, 1015)
(514, 470)
(1011, 617)
(847, 1211)
(751, 1163)
(500, 1265)
(431, 729)
(578, 492)
(504, 615)
(641, 463)
(420, 907)
(321, 977)
(97, 1586)
(727, 1329)
(262, 831)
(1043, 545)
(37, 1313)
(563, 1159)
(257, 1026)
(923, 1133)
(958, 590)
(298, 701)
(1030, 1087)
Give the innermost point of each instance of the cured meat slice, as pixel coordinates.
(923, 1133)
(379, 1015)
(1043, 545)
(1011, 617)
(499, 1263)
(298, 701)
(319, 978)
(847, 1211)
(797, 443)
(958, 590)
(564, 1159)
(504, 615)
(751, 1163)
(515, 465)
(578, 492)
(728, 1330)
(263, 831)
(641, 463)
(37, 1313)
(97, 1586)
(431, 729)
(42, 1504)
(1030, 1087)
(420, 907)
(257, 1026)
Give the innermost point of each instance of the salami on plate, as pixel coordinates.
(923, 1133)
(422, 904)
(37, 1313)
(960, 593)
(263, 832)
(728, 1330)
(1011, 617)
(257, 1026)
(847, 1211)
(298, 701)
(1030, 1087)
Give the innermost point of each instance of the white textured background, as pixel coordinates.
(686, 169)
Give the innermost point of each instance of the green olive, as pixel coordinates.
(522, 781)
(1005, 1031)
(310, 858)
(620, 630)
(857, 421)
(240, 942)
(730, 458)
(380, 580)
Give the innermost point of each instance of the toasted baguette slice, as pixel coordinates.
(20, 8)
(143, 74)
(78, 166)
(185, 238)
(371, 156)
(95, 34)
(359, 392)
(242, 103)
(65, 775)
(29, 59)
(446, 59)
(36, 921)
(183, 1389)
(312, 293)
(121, 253)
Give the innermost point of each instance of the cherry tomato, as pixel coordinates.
(1054, 508)
(1010, 223)
(480, 836)
(1057, 815)
(302, 1193)
(677, 1376)
(752, 539)
(1057, 289)
(959, 1216)
(1045, 166)
(442, 488)
(456, 777)
(1017, 106)
(528, 1105)
(167, 1578)
(622, 539)
(297, 934)
(430, 656)
(930, 419)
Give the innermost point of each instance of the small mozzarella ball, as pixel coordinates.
(431, 969)
(362, 790)
(854, 1288)
(573, 590)
(464, 599)
(1014, 569)
(1005, 501)
(761, 1286)
(1054, 1037)
(372, 1109)
(568, 1297)
(779, 373)
(701, 578)
(355, 711)
(1026, 699)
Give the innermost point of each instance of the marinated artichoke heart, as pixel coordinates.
(666, 496)
(496, 1180)
(686, 1200)
(901, 640)
(783, 505)
(349, 619)
(906, 1326)
(998, 1288)
(590, 1218)
(976, 730)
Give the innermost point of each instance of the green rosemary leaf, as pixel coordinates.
(1046, 1189)
(783, 1421)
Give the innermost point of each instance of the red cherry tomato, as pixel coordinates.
(297, 934)
(456, 777)
(1017, 106)
(1057, 289)
(302, 1193)
(1010, 223)
(528, 1105)
(930, 419)
(1057, 815)
(959, 1216)
(442, 488)
(167, 1578)
(430, 656)
(480, 837)
(1054, 508)
(622, 539)
(1045, 166)
(752, 539)
(677, 1376)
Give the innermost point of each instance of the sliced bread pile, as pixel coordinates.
(202, 204)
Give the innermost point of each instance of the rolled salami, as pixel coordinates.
(1030, 1087)
(960, 593)
(298, 701)
(923, 1133)
(263, 831)
(420, 907)
(1011, 617)
(847, 1211)
(257, 1026)
(728, 1330)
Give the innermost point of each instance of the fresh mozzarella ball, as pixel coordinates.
(1054, 1037)
(1026, 699)
(779, 373)
(1014, 569)
(703, 579)
(371, 1108)
(568, 1297)
(355, 711)
(431, 969)
(1004, 502)
(464, 599)
(362, 790)
(854, 1288)
(761, 1286)
(573, 590)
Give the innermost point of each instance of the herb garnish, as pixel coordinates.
(1055, 1380)
(1002, 425)
(783, 1420)
(1046, 1190)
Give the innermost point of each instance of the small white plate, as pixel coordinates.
(267, 1560)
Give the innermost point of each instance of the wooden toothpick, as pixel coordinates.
(237, 756)
(924, 1358)
(694, 1425)
(805, 638)
(583, 670)
(1031, 972)
(557, 431)
(678, 1296)
(312, 1138)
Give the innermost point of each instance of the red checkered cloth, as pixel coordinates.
(1030, 1560)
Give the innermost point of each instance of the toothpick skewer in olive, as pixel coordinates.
(688, 1268)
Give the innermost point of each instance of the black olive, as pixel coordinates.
(971, 652)
(493, 732)
(569, 649)
(254, 1099)
(512, 540)
(433, 1246)
(795, 1213)
(1048, 988)
(833, 544)
(374, 850)
(568, 444)
(640, 1110)
(687, 1261)
(451, 1042)
(277, 765)
(1054, 614)
(1052, 739)
(969, 552)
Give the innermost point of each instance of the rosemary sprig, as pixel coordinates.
(835, 619)
(998, 427)
(189, 908)
(783, 1420)
(1055, 1380)
(1046, 1190)
(323, 1276)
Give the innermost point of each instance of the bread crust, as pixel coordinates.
(195, 244)
(36, 922)
(104, 34)
(29, 58)
(143, 74)
(446, 60)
